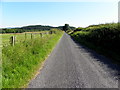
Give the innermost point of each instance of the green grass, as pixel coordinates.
(103, 38)
(21, 62)
(19, 37)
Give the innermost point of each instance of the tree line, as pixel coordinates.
(34, 28)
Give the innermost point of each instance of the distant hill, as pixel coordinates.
(31, 28)
(40, 27)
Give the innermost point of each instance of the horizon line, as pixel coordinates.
(54, 25)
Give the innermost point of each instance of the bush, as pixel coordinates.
(105, 36)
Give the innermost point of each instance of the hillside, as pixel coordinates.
(31, 28)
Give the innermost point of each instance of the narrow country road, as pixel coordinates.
(73, 66)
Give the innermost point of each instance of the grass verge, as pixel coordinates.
(21, 61)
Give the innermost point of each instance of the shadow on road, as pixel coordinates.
(100, 58)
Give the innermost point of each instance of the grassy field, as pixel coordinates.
(19, 36)
(103, 38)
(21, 62)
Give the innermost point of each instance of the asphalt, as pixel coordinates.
(71, 65)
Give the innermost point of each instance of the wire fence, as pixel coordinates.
(12, 39)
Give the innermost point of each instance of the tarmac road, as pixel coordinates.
(74, 66)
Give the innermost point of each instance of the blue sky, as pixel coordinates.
(78, 14)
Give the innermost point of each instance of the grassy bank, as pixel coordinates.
(21, 62)
(103, 38)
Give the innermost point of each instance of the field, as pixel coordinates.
(20, 36)
(103, 38)
(21, 61)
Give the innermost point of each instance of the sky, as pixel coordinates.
(78, 14)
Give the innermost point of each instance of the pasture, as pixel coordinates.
(19, 37)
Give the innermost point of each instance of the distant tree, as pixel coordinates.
(66, 27)
(30, 28)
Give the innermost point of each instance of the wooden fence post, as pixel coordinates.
(50, 32)
(40, 34)
(12, 40)
(31, 35)
(25, 36)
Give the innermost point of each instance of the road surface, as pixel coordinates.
(74, 66)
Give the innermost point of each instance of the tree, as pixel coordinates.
(66, 27)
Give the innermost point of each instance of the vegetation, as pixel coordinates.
(103, 38)
(66, 27)
(19, 37)
(20, 62)
(32, 28)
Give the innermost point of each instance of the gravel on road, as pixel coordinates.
(71, 65)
